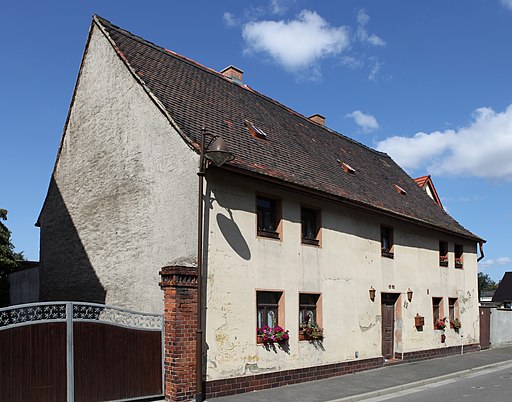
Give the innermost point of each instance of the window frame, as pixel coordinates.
(458, 252)
(279, 308)
(443, 258)
(316, 239)
(453, 310)
(275, 215)
(387, 252)
(440, 310)
(317, 305)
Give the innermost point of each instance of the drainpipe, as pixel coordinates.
(481, 244)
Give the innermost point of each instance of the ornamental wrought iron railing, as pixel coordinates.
(75, 312)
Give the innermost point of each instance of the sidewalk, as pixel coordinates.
(368, 384)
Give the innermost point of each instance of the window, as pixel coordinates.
(268, 217)
(310, 226)
(459, 252)
(453, 313)
(386, 241)
(443, 254)
(437, 310)
(310, 320)
(268, 308)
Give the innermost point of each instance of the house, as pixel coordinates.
(305, 229)
(503, 294)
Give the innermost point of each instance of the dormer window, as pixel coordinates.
(399, 189)
(255, 131)
(346, 167)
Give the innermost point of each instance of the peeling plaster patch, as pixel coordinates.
(406, 304)
(254, 369)
(212, 364)
(366, 328)
(329, 278)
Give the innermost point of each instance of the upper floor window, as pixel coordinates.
(310, 222)
(459, 256)
(443, 254)
(386, 241)
(269, 218)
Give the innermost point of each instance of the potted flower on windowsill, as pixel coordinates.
(275, 334)
(310, 331)
(440, 324)
(443, 260)
(455, 324)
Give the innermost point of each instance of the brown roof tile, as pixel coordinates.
(296, 151)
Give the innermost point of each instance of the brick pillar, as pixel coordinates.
(180, 315)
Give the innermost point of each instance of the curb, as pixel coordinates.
(403, 387)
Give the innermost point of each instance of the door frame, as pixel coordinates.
(388, 299)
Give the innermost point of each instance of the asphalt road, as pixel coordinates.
(493, 385)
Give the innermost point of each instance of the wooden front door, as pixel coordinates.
(485, 326)
(388, 324)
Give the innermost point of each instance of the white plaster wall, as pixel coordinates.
(501, 323)
(124, 192)
(342, 270)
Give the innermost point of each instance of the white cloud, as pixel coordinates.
(374, 71)
(507, 3)
(496, 261)
(279, 6)
(229, 19)
(351, 62)
(296, 44)
(362, 33)
(482, 149)
(366, 121)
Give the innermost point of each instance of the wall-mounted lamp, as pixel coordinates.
(409, 294)
(372, 293)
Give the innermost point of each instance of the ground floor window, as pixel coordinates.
(310, 317)
(268, 308)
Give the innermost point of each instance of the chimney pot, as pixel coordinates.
(234, 73)
(318, 119)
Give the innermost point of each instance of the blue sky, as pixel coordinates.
(429, 83)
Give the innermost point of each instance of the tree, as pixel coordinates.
(7, 259)
(485, 283)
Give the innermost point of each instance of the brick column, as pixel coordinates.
(180, 306)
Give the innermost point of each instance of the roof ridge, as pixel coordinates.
(194, 63)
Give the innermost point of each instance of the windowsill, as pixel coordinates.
(268, 234)
(387, 254)
(459, 266)
(443, 263)
(302, 337)
(311, 242)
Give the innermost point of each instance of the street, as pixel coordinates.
(489, 385)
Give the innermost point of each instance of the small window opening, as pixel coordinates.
(255, 131)
(443, 254)
(459, 255)
(346, 167)
(399, 189)
(386, 241)
(310, 226)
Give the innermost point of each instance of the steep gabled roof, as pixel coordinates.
(296, 152)
(426, 183)
(504, 290)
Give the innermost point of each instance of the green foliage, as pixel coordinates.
(485, 282)
(7, 255)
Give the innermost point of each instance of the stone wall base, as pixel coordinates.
(238, 385)
(433, 353)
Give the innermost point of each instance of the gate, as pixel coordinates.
(76, 351)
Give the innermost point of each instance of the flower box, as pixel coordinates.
(455, 324)
(458, 263)
(443, 261)
(269, 335)
(440, 324)
(310, 332)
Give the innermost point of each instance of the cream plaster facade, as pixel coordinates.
(125, 180)
(342, 270)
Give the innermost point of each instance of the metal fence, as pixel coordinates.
(103, 352)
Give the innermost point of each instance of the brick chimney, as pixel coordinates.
(318, 119)
(234, 73)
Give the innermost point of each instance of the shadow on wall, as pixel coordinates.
(233, 236)
(66, 272)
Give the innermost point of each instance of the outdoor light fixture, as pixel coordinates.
(217, 152)
(409, 294)
(372, 293)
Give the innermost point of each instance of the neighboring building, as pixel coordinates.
(304, 222)
(24, 283)
(486, 297)
(426, 183)
(503, 294)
